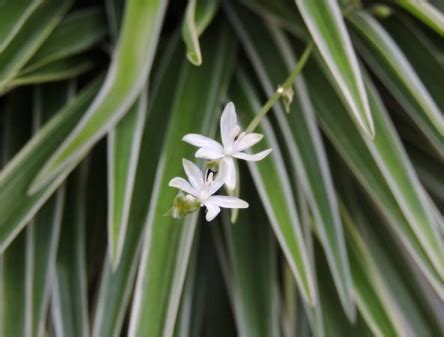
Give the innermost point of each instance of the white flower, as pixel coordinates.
(201, 189)
(234, 142)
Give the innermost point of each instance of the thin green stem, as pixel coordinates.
(287, 85)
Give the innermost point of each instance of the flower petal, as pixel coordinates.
(183, 185)
(252, 157)
(221, 176)
(195, 175)
(230, 172)
(246, 141)
(212, 210)
(228, 202)
(208, 154)
(228, 122)
(202, 141)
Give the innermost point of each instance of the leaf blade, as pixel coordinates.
(327, 28)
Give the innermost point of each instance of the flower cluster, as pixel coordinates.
(201, 187)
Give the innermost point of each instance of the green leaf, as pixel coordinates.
(57, 71)
(167, 242)
(16, 206)
(123, 155)
(15, 265)
(389, 63)
(327, 28)
(418, 49)
(198, 15)
(75, 34)
(425, 12)
(429, 171)
(127, 74)
(303, 141)
(116, 285)
(252, 280)
(273, 185)
(44, 231)
(377, 165)
(114, 13)
(372, 296)
(30, 37)
(405, 284)
(13, 14)
(70, 297)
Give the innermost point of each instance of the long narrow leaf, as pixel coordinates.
(273, 185)
(116, 284)
(35, 30)
(253, 281)
(425, 12)
(78, 32)
(128, 72)
(13, 14)
(373, 298)
(57, 71)
(16, 206)
(303, 142)
(198, 15)
(167, 242)
(123, 154)
(359, 157)
(16, 262)
(43, 233)
(390, 64)
(69, 296)
(327, 28)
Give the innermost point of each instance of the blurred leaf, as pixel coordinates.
(127, 74)
(303, 141)
(30, 37)
(198, 16)
(373, 298)
(429, 170)
(273, 185)
(56, 71)
(116, 285)
(376, 165)
(327, 28)
(15, 263)
(252, 279)
(123, 155)
(167, 242)
(114, 13)
(417, 47)
(399, 275)
(69, 297)
(78, 32)
(389, 63)
(13, 14)
(16, 206)
(44, 231)
(425, 12)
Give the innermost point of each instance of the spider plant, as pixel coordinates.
(343, 234)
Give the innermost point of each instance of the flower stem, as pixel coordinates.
(287, 85)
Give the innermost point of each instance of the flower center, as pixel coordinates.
(228, 150)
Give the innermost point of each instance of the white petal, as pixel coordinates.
(202, 141)
(208, 154)
(195, 175)
(230, 173)
(212, 210)
(183, 185)
(227, 201)
(228, 122)
(247, 141)
(221, 176)
(252, 157)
